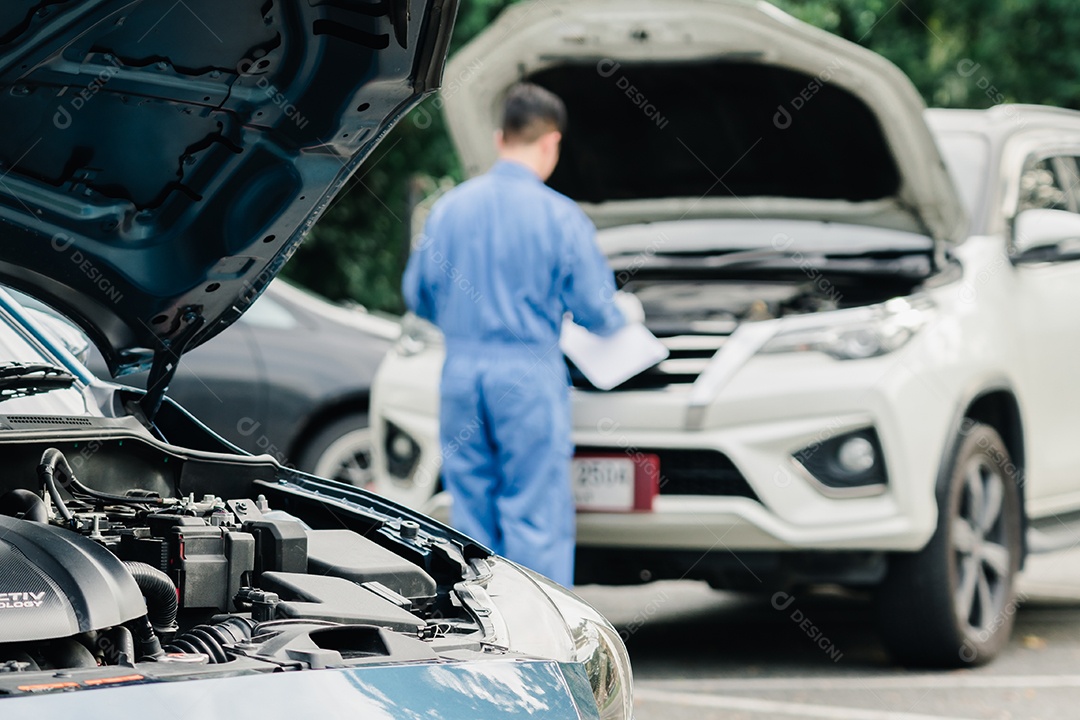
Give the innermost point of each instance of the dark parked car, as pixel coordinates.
(161, 161)
(290, 379)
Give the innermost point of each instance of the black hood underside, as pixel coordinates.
(162, 159)
(731, 115)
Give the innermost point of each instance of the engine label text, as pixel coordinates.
(21, 600)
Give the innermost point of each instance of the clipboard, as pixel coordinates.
(612, 360)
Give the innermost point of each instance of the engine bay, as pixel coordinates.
(678, 305)
(697, 301)
(166, 576)
(710, 276)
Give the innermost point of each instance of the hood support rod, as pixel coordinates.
(166, 361)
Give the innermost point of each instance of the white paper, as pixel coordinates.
(612, 360)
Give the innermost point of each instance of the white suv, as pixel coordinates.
(869, 308)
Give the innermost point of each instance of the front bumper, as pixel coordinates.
(791, 514)
(766, 414)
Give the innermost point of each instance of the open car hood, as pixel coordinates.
(710, 108)
(161, 160)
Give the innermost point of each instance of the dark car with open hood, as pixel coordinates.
(161, 161)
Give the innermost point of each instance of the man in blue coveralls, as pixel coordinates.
(502, 260)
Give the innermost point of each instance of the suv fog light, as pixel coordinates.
(856, 455)
(848, 465)
(401, 447)
(402, 452)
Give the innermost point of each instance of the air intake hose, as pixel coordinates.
(160, 594)
(211, 640)
(23, 504)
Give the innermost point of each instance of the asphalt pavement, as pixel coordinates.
(700, 654)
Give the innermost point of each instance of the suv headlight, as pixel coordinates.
(417, 335)
(564, 628)
(856, 334)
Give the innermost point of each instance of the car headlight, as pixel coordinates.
(598, 647)
(416, 335)
(857, 334)
(567, 630)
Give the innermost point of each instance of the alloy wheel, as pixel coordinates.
(980, 547)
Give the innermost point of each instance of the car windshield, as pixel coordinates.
(967, 156)
(16, 345)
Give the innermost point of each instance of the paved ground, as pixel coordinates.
(700, 654)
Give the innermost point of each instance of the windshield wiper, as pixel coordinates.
(23, 379)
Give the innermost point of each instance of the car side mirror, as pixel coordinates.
(1041, 235)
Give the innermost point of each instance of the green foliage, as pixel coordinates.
(958, 53)
(965, 53)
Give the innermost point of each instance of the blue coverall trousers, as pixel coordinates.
(505, 431)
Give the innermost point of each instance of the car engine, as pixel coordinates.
(725, 304)
(91, 578)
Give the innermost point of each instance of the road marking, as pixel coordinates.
(944, 681)
(773, 707)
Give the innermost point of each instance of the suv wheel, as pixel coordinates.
(952, 604)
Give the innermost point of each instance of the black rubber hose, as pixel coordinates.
(124, 647)
(24, 504)
(211, 640)
(160, 594)
(200, 640)
(145, 638)
(53, 460)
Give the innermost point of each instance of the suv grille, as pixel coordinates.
(690, 355)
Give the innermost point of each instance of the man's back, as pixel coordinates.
(500, 261)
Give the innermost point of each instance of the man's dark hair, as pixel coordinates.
(531, 111)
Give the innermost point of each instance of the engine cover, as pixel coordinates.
(55, 583)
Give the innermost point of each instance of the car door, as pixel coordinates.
(1047, 295)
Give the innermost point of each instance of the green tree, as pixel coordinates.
(958, 53)
(965, 53)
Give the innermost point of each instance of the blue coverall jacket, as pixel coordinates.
(503, 258)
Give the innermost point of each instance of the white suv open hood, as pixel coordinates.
(710, 108)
